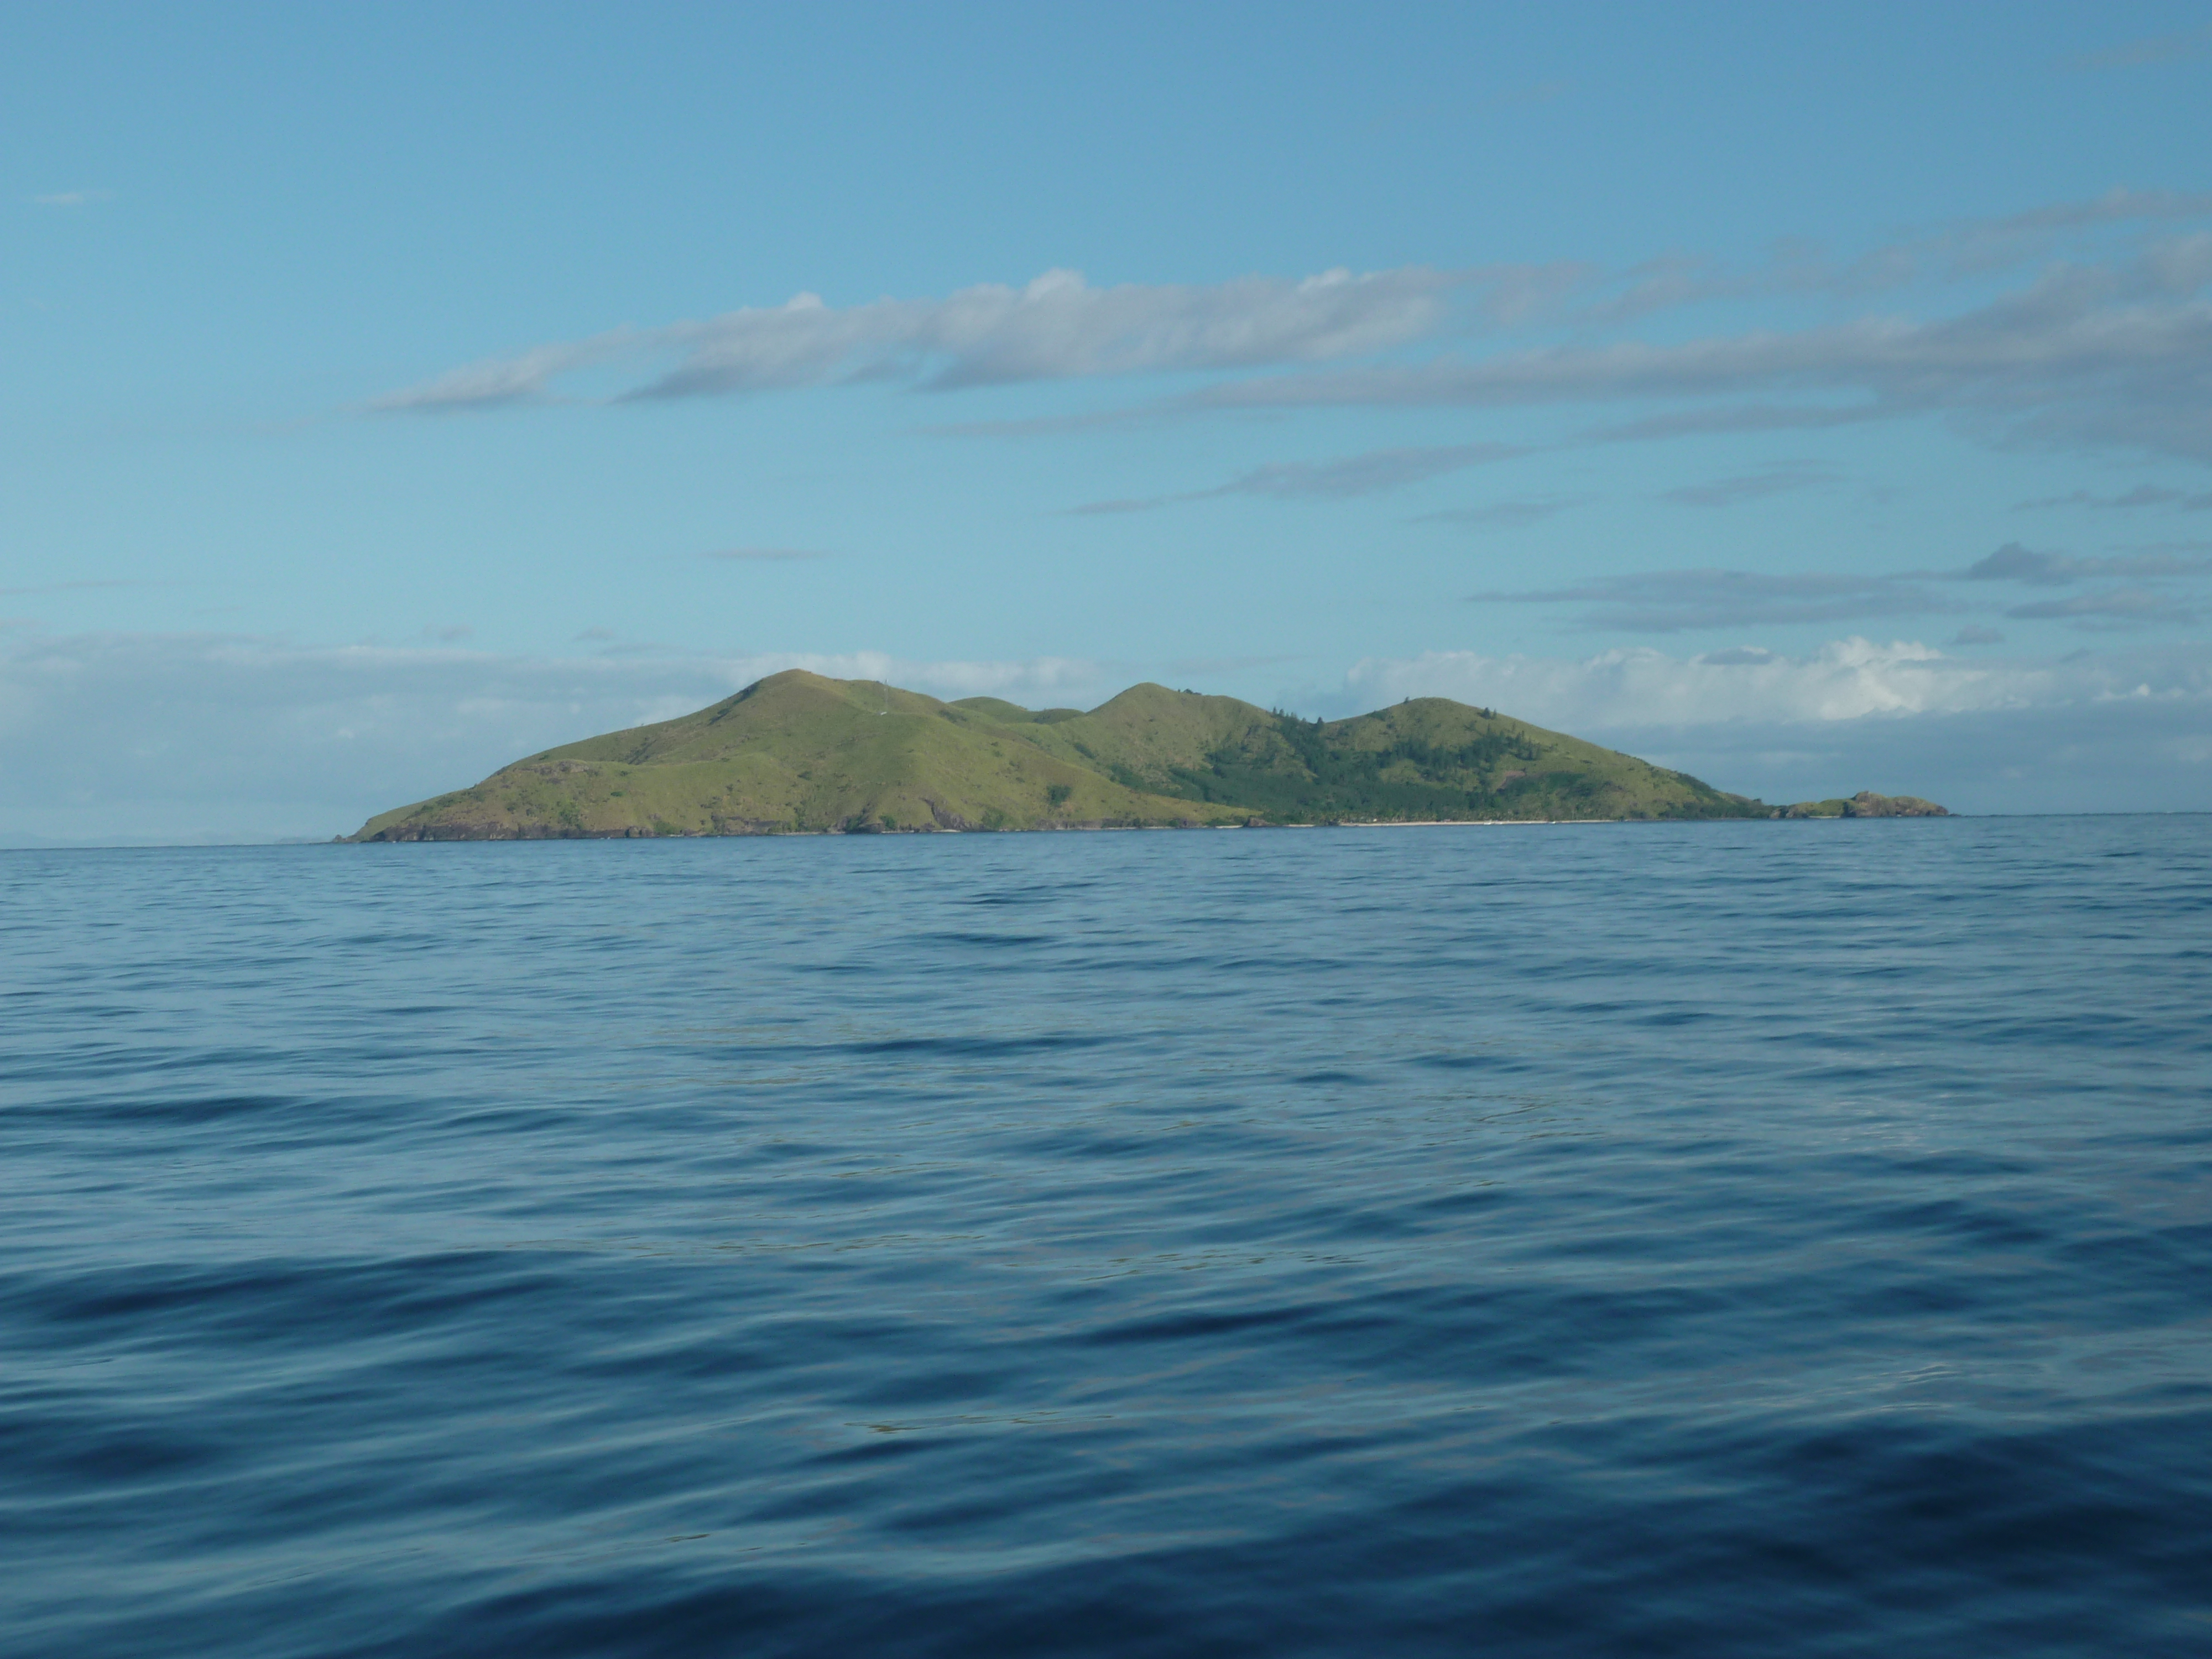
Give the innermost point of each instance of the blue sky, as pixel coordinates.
(1817, 398)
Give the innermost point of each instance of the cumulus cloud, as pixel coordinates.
(1672, 601)
(1846, 679)
(2125, 753)
(2081, 732)
(192, 736)
(188, 736)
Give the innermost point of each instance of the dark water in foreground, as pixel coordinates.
(1713, 1239)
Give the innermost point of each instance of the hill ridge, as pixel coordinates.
(797, 752)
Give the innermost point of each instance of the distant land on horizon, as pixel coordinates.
(798, 753)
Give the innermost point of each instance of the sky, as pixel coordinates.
(1811, 399)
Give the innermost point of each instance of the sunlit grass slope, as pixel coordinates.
(797, 751)
(793, 752)
(1428, 757)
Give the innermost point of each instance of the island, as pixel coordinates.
(799, 753)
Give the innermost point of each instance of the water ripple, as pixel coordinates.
(1715, 1239)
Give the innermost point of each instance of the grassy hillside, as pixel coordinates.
(793, 752)
(797, 751)
(1425, 759)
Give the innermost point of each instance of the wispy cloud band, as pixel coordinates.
(1678, 601)
(2111, 346)
(1681, 601)
(2120, 356)
(1056, 327)
(1847, 679)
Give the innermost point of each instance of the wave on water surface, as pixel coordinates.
(1726, 1239)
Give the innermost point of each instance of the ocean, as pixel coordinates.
(1712, 1239)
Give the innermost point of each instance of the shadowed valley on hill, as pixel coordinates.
(796, 752)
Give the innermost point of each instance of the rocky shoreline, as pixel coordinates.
(1864, 805)
(1867, 804)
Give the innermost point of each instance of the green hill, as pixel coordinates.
(796, 751)
(1426, 759)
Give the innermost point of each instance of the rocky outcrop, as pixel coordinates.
(1866, 804)
(459, 831)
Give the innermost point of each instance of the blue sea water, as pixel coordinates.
(1730, 1239)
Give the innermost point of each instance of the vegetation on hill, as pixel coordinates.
(1866, 804)
(797, 751)
(1427, 757)
(794, 751)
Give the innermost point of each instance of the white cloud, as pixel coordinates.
(2110, 345)
(2097, 356)
(2076, 733)
(135, 736)
(1964, 248)
(1055, 327)
(523, 378)
(188, 737)
(2123, 754)
(1673, 601)
(1847, 679)
(1340, 479)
